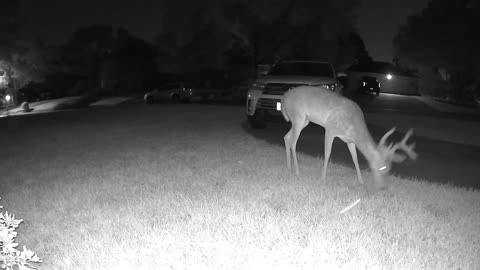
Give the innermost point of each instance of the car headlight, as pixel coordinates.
(258, 86)
(330, 86)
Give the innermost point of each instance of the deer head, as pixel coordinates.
(381, 163)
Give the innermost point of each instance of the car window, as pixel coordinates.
(369, 79)
(302, 69)
(169, 86)
(189, 85)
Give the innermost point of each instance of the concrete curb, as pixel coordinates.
(66, 102)
(448, 130)
(110, 101)
(444, 107)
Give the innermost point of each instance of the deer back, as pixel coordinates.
(334, 112)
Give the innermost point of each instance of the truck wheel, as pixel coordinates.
(149, 100)
(175, 98)
(257, 121)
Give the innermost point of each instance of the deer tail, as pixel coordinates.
(284, 105)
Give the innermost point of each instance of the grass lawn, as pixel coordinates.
(187, 187)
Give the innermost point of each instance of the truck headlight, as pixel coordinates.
(259, 86)
(330, 86)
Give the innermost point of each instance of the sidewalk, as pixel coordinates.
(110, 101)
(64, 103)
(445, 107)
(445, 129)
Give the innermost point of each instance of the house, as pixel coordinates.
(392, 79)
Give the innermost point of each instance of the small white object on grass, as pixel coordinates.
(350, 206)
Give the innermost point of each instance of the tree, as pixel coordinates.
(190, 38)
(15, 79)
(109, 59)
(265, 30)
(272, 30)
(351, 50)
(9, 24)
(21, 62)
(27, 62)
(444, 35)
(87, 47)
(130, 66)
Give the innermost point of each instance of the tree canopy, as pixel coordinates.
(9, 25)
(444, 35)
(265, 29)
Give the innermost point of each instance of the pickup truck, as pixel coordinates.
(265, 94)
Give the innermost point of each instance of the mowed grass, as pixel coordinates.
(188, 187)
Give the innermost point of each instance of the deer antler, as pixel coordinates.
(384, 138)
(402, 145)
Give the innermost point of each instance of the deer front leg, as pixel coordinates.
(328, 150)
(353, 152)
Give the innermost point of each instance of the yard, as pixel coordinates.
(185, 186)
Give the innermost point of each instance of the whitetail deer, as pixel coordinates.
(344, 119)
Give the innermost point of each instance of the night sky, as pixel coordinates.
(56, 20)
(378, 21)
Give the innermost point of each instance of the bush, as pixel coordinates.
(10, 257)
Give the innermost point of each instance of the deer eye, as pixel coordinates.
(382, 168)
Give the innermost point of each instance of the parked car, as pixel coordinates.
(369, 84)
(185, 92)
(265, 94)
(173, 92)
(206, 90)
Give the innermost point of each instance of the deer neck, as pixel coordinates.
(368, 148)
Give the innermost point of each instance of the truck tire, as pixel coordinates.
(175, 98)
(257, 121)
(149, 100)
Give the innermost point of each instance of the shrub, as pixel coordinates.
(10, 257)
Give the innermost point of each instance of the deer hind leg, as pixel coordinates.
(288, 150)
(353, 152)
(293, 134)
(328, 150)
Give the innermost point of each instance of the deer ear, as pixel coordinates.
(398, 158)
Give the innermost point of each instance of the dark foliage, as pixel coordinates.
(444, 36)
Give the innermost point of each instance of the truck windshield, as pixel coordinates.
(302, 69)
